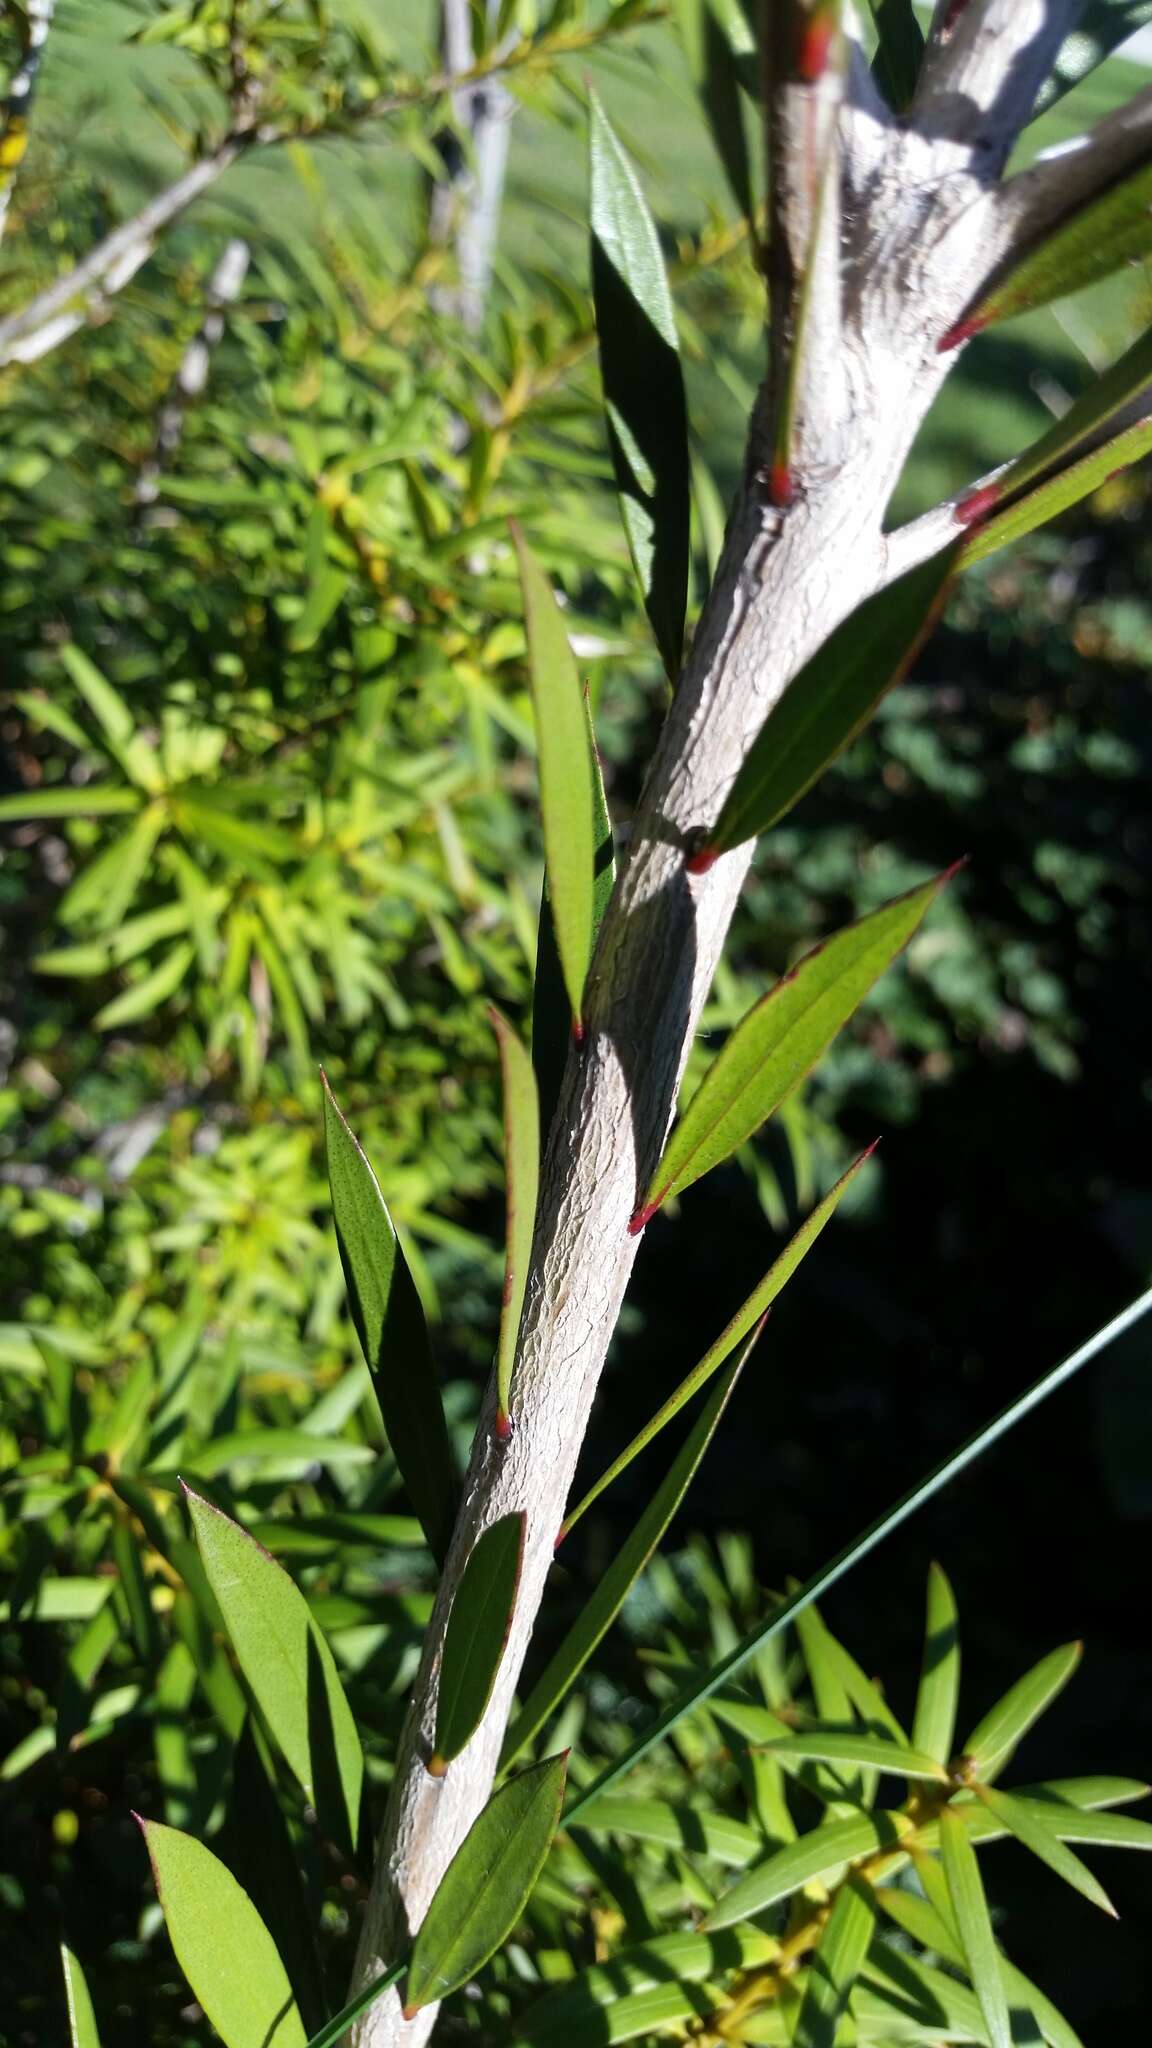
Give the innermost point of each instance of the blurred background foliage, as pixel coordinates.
(268, 782)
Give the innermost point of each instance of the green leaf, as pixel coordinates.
(643, 386)
(257, 1845)
(934, 1723)
(607, 2002)
(1100, 29)
(475, 1637)
(904, 1999)
(335, 2029)
(142, 997)
(780, 1040)
(703, 1685)
(835, 1965)
(222, 1944)
(1024, 1820)
(815, 1858)
(752, 1312)
(522, 1184)
(393, 1336)
(874, 1752)
(93, 802)
(487, 1884)
(287, 1665)
(1087, 417)
(831, 700)
(1103, 236)
(82, 2031)
(691, 1830)
(104, 889)
(974, 1926)
(899, 51)
(567, 782)
(551, 1015)
(128, 747)
(627, 1563)
(992, 1742)
(715, 73)
(1047, 500)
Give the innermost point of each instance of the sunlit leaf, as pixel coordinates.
(934, 1722)
(476, 1634)
(522, 1183)
(551, 1013)
(257, 1845)
(567, 781)
(992, 1742)
(487, 1884)
(88, 802)
(780, 1040)
(899, 50)
(830, 700)
(747, 1316)
(817, 1857)
(287, 1665)
(643, 386)
(393, 1337)
(627, 1563)
(222, 1945)
(835, 1965)
(1027, 1823)
(135, 755)
(1110, 231)
(690, 1829)
(141, 998)
(1045, 501)
(874, 1752)
(974, 1926)
(82, 2031)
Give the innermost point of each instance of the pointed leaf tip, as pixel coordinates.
(522, 1181)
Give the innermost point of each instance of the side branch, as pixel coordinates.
(984, 65)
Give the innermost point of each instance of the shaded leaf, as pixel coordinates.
(643, 385)
(612, 2002)
(974, 1926)
(82, 2032)
(831, 699)
(335, 2030)
(899, 51)
(745, 1319)
(715, 74)
(567, 792)
(222, 1945)
(1037, 506)
(628, 1562)
(522, 1184)
(257, 1845)
(551, 1015)
(487, 1884)
(875, 1752)
(692, 1830)
(992, 1742)
(817, 1857)
(1025, 1821)
(780, 1040)
(934, 1722)
(287, 1665)
(916, 1995)
(1101, 28)
(476, 1634)
(836, 1964)
(1104, 235)
(393, 1336)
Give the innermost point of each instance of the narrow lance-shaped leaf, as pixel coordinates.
(567, 791)
(551, 1015)
(779, 1042)
(875, 1752)
(393, 1336)
(815, 1858)
(287, 1665)
(836, 1965)
(1100, 29)
(1023, 1821)
(487, 1884)
(704, 1684)
(934, 1723)
(899, 50)
(752, 1312)
(829, 701)
(715, 73)
(1047, 500)
(222, 1944)
(643, 386)
(974, 1926)
(601, 2004)
(476, 1635)
(1110, 231)
(82, 2032)
(337, 2028)
(992, 1742)
(628, 1562)
(522, 1185)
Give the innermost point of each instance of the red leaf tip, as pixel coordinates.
(705, 857)
(949, 873)
(961, 331)
(977, 506)
(642, 1217)
(560, 1535)
(502, 1427)
(781, 485)
(577, 1030)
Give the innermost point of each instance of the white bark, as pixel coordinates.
(924, 226)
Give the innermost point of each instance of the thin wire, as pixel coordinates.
(702, 1689)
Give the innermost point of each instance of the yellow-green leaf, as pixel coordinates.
(836, 1964)
(934, 1724)
(779, 1042)
(551, 1014)
(844, 1746)
(487, 1884)
(287, 1665)
(1111, 230)
(992, 1742)
(476, 1635)
(817, 1857)
(522, 1186)
(974, 1926)
(567, 793)
(82, 2032)
(1022, 1819)
(393, 1336)
(1055, 494)
(222, 1945)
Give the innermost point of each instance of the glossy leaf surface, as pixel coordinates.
(476, 1634)
(222, 1945)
